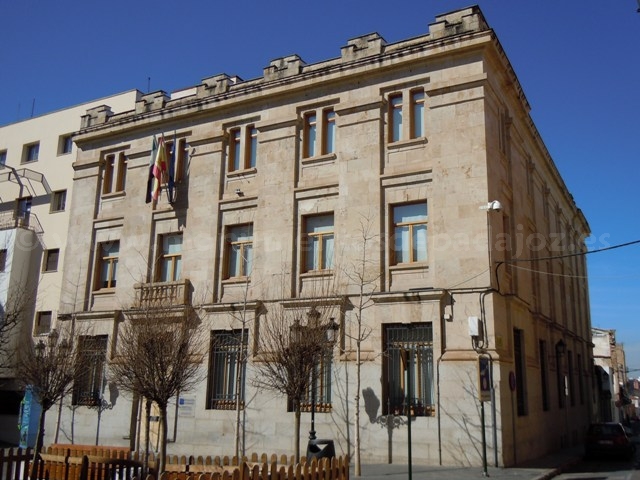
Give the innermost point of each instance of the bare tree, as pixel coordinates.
(159, 352)
(49, 369)
(364, 275)
(291, 348)
(18, 305)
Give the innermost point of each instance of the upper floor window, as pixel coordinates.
(319, 136)
(227, 368)
(409, 106)
(88, 387)
(417, 114)
(50, 263)
(409, 348)
(243, 148)
(31, 152)
(239, 251)
(170, 260)
(3, 157)
(395, 118)
(318, 242)
(23, 211)
(43, 323)
(65, 144)
(58, 201)
(114, 170)
(107, 264)
(410, 232)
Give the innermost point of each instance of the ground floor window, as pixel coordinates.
(227, 367)
(87, 389)
(408, 369)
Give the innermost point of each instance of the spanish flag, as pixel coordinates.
(159, 169)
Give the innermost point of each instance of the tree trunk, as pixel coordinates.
(147, 429)
(356, 468)
(39, 443)
(297, 432)
(163, 439)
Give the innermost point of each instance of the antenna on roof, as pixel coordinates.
(149, 81)
(33, 107)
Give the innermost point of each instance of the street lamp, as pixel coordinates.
(330, 334)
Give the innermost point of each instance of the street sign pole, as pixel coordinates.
(484, 393)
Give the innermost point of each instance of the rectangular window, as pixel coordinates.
(3, 260)
(239, 251)
(395, 118)
(170, 258)
(417, 114)
(31, 152)
(310, 134)
(50, 263)
(121, 179)
(227, 367)
(521, 384)
(23, 211)
(235, 153)
(560, 378)
(329, 132)
(572, 393)
(318, 242)
(107, 174)
(544, 381)
(410, 232)
(107, 271)
(92, 353)
(319, 134)
(43, 323)
(65, 144)
(408, 369)
(580, 379)
(252, 148)
(243, 148)
(58, 201)
(321, 381)
(3, 157)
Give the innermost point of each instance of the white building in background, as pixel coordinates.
(612, 395)
(36, 186)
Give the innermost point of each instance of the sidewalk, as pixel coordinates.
(540, 469)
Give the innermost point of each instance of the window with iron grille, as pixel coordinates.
(227, 352)
(321, 380)
(409, 355)
(92, 355)
(544, 381)
(521, 384)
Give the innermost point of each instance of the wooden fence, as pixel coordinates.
(14, 463)
(256, 467)
(78, 462)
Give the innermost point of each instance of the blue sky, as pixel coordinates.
(578, 63)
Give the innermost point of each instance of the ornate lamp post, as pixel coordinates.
(330, 330)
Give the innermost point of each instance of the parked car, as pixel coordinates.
(609, 439)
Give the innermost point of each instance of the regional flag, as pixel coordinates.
(159, 169)
(152, 161)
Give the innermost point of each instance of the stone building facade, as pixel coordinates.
(429, 144)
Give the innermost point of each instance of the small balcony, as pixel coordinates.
(28, 220)
(165, 294)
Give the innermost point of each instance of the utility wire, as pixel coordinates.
(572, 254)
